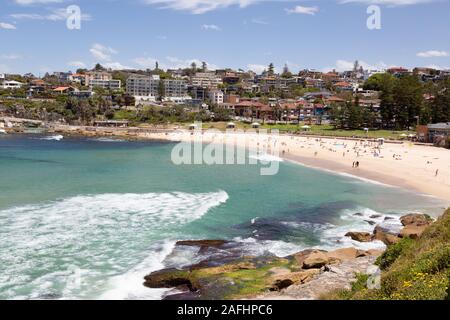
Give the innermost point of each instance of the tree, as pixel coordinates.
(99, 67)
(204, 66)
(271, 70)
(156, 66)
(286, 73)
(161, 90)
(194, 67)
(408, 101)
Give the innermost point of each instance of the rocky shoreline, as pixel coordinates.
(221, 270)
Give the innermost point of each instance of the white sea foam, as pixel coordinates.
(53, 138)
(70, 248)
(266, 158)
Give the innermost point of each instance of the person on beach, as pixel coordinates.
(437, 172)
(357, 164)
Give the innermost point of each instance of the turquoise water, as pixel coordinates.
(87, 218)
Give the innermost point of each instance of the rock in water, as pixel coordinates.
(387, 238)
(360, 236)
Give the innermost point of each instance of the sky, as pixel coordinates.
(245, 34)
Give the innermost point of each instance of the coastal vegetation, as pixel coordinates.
(412, 269)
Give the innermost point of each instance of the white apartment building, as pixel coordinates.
(206, 80)
(11, 85)
(216, 97)
(103, 80)
(146, 86)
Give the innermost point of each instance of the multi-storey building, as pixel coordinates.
(216, 96)
(206, 80)
(103, 80)
(149, 86)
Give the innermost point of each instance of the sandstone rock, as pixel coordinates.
(384, 236)
(412, 231)
(345, 254)
(374, 252)
(302, 255)
(415, 219)
(283, 281)
(316, 259)
(168, 278)
(360, 236)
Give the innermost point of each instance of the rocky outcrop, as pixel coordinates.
(360, 236)
(388, 238)
(346, 254)
(414, 225)
(316, 259)
(412, 231)
(416, 219)
(202, 243)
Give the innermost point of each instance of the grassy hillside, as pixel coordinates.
(411, 269)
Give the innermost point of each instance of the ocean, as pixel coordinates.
(87, 218)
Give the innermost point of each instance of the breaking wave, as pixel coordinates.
(72, 247)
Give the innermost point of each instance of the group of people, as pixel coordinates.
(355, 164)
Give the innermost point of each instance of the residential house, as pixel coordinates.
(216, 97)
(11, 85)
(101, 79)
(206, 80)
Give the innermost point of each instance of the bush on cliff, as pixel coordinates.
(413, 269)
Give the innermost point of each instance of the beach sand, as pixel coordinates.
(405, 165)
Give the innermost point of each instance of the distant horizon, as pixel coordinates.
(317, 34)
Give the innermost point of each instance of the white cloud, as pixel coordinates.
(203, 6)
(4, 68)
(115, 66)
(258, 68)
(28, 2)
(259, 21)
(345, 65)
(200, 6)
(7, 26)
(55, 15)
(212, 27)
(432, 54)
(389, 2)
(77, 64)
(10, 56)
(145, 62)
(303, 10)
(101, 52)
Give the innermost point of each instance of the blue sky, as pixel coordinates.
(247, 34)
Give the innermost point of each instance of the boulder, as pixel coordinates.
(316, 259)
(285, 280)
(168, 278)
(345, 254)
(412, 231)
(415, 219)
(302, 255)
(374, 252)
(387, 238)
(360, 236)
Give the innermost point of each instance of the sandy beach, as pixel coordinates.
(420, 168)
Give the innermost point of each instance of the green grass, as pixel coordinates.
(316, 130)
(413, 269)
